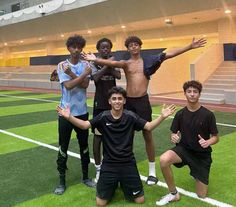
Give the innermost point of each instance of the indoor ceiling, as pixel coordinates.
(108, 17)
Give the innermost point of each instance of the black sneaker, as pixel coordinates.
(60, 189)
(90, 183)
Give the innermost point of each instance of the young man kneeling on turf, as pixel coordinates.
(193, 131)
(117, 127)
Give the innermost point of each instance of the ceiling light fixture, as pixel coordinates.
(89, 31)
(123, 26)
(227, 11)
(168, 22)
(62, 35)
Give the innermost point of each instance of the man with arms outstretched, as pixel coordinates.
(137, 71)
(117, 127)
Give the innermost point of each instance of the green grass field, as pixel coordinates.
(28, 172)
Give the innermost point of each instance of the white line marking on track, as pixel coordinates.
(45, 100)
(220, 124)
(181, 190)
(28, 98)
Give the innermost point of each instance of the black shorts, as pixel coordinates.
(198, 162)
(140, 106)
(125, 174)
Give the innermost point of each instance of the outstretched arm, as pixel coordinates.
(108, 62)
(193, 45)
(105, 69)
(165, 112)
(77, 122)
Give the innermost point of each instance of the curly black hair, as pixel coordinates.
(103, 40)
(76, 40)
(132, 39)
(194, 84)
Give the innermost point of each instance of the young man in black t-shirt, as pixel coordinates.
(117, 127)
(193, 131)
(104, 79)
(137, 71)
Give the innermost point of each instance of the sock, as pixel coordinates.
(174, 192)
(98, 168)
(152, 169)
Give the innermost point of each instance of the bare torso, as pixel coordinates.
(137, 83)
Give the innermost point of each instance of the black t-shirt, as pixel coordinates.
(118, 135)
(190, 124)
(106, 82)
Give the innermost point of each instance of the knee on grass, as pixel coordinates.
(101, 202)
(139, 200)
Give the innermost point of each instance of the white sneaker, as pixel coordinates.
(167, 199)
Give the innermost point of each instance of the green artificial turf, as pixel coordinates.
(28, 171)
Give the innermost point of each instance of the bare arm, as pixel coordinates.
(193, 45)
(108, 62)
(116, 73)
(75, 121)
(206, 143)
(79, 80)
(166, 111)
(68, 71)
(85, 83)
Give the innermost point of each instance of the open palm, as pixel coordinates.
(198, 43)
(167, 111)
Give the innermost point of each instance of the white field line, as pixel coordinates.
(182, 191)
(220, 124)
(51, 101)
(28, 98)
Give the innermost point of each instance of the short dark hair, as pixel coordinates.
(132, 39)
(194, 84)
(117, 89)
(76, 40)
(103, 40)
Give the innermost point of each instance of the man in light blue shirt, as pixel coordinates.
(73, 90)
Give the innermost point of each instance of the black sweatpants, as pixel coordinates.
(64, 130)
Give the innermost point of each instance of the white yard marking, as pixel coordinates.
(72, 154)
(182, 191)
(28, 98)
(51, 101)
(220, 124)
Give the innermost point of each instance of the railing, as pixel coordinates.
(46, 8)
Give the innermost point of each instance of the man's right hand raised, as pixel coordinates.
(88, 56)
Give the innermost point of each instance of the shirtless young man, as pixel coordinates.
(137, 71)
